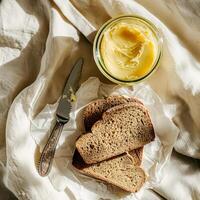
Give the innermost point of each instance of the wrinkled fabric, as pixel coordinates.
(39, 42)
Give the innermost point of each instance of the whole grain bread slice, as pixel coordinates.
(122, 128)
(122, 171)
(93, 112)
(105, 169)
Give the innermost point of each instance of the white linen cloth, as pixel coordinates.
(39, 42)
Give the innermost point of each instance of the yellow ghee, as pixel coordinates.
(129, 49)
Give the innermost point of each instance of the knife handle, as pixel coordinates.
(48, 152)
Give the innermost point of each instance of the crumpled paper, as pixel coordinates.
(156, 154)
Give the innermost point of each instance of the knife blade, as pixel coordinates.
(64, 106)
(62, 117)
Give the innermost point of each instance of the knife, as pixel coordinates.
(62, 117)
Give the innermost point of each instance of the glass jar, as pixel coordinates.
(99, 59)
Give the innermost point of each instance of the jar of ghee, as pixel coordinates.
(127, 49)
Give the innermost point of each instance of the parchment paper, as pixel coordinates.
(156, 154)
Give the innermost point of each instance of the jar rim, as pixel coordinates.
(97, 54)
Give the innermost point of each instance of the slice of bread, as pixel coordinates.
(122, 171)
(93, 112)
(122, 128)
(102, 170)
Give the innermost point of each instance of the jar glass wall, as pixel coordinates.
(103, 62)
